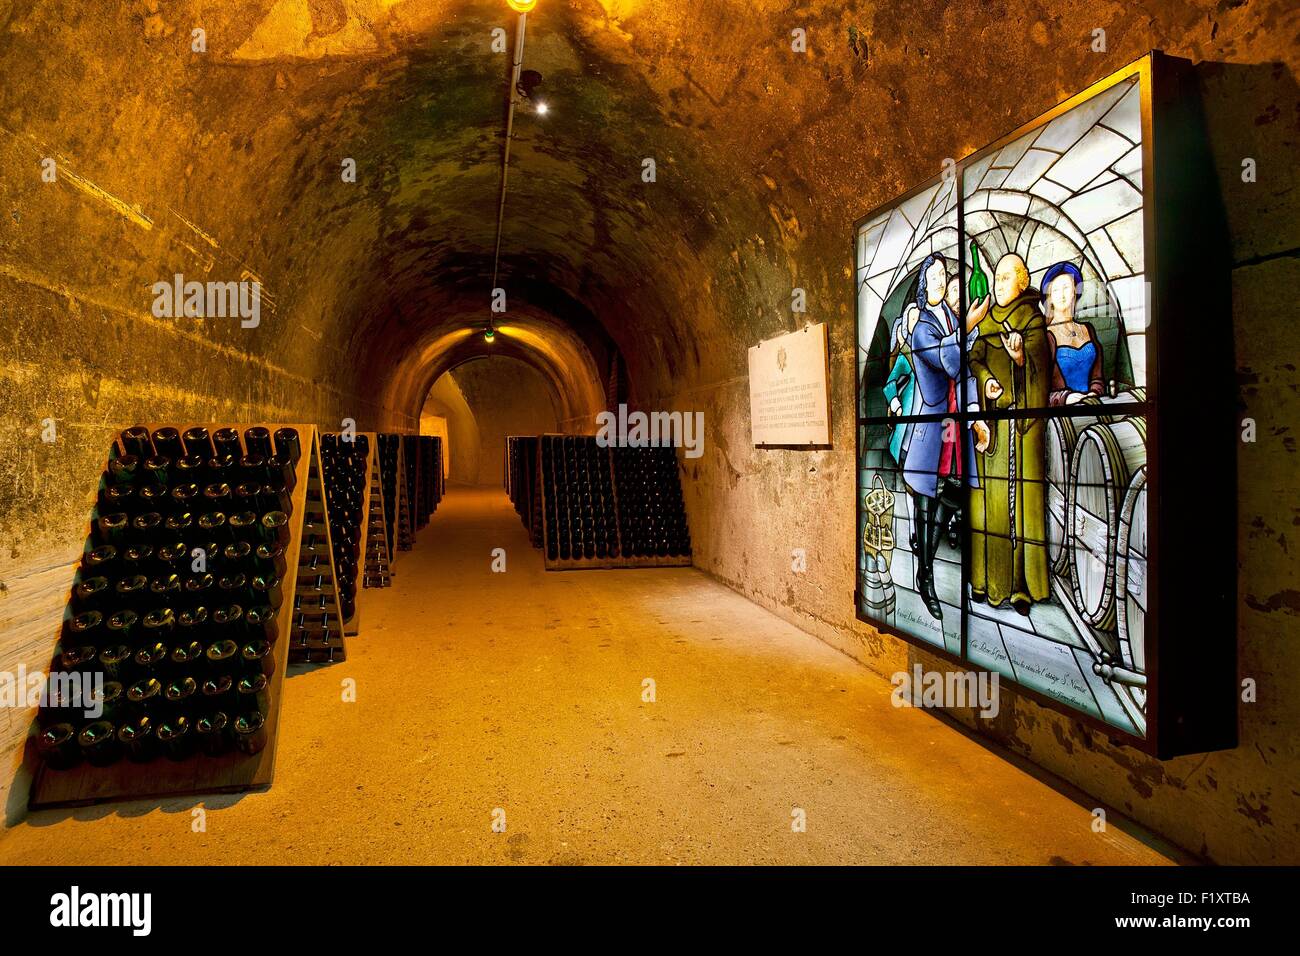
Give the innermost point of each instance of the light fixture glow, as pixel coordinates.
(542, 109)
(489, 334)
(521, 6)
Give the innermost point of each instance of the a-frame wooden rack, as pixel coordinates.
(376, 551)
(405, 509)
(397, 509)
(352, 625)
(199, 774)
(317, 634)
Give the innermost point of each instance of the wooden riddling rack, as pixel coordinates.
(623, 516)
(198, 773)
(405, 508)
(414, 487)
(412, 463)
(359, 454)
(392, 470)
(317, 616)
(374, 543)
(422, 457)
(521, 483)
(433, 481)
(412, 480)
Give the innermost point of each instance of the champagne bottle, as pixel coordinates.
(287, 443)
(137, 739)
(253, 693)
(221, 655)
(58, 746)
(256, 657)
(122, 469)
(174, 738)
(167, 441)
(86, 628)
(185, 656)
(219, 691)
(115, 660)
(157, 467)
(98, 743)
(979, 282)
(143, 695)
(178, 692)
(226, 443)
(258, 441)
(135, 441)
(120, 624)
(198, 442)
(192, 621)
(211, 729)
(250, 732)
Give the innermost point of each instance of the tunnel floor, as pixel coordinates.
(479, 692)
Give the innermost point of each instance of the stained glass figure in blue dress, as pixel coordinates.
(1076, 350)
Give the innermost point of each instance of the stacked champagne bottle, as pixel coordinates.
(417, 451)
(579, 499)
(388, 461)
(435, 470)
(409, 520)
(521, 467)
(344, 465)
(375, 573)
(652, 515)
(430, 477)
(172, 621)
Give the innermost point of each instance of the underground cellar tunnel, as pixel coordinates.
(641, 427)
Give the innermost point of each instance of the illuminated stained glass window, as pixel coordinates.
(1004, 407)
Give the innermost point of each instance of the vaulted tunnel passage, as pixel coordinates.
(690, 191)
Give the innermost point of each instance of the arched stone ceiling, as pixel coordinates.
(227, 162)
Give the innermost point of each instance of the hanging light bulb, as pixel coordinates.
(489, 334)
(521, 6)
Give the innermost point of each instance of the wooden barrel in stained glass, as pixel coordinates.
(1061, 436)
(1062, 433)
(1127, 397)
(1106, 456)
(1131, 573)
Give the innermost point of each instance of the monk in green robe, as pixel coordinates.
(1012, 364)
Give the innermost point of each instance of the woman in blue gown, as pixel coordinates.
(1076, 350)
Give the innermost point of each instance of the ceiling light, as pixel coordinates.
(521, 6)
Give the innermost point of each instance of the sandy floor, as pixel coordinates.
(522, 692)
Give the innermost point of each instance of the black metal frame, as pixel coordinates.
(1190, 639)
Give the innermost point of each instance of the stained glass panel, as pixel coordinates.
(1002, 397)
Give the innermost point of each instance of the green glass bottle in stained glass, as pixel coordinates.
(978, 287)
